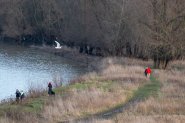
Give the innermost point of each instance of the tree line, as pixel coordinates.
(135, 28)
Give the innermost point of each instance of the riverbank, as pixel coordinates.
(118, 81)
(98, 91)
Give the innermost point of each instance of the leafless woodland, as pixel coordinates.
(136, 28)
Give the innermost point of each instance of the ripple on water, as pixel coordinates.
(21, 67)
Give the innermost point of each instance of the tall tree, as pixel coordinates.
(16, 23)
(167, 28)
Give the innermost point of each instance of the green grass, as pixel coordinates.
(82, 86)
(150, 89)
(78, 86)
(35, 105)
(104, 85)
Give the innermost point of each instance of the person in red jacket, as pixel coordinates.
(148, 72)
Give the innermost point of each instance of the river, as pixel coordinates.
(23, 68)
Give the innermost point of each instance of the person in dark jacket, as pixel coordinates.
(50, 91)
(18, 94)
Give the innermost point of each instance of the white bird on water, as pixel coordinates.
(58, 45)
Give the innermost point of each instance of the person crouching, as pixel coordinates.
(50, 91)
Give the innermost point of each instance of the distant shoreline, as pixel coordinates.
(73, 54)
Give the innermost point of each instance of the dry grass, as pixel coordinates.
(123, 73)
(81, 103)
(140, 119)
(168, 107)
(107, 89)
(150, 119)
(171, 99)
(102, 64)
(21, 118)
(178, 65)
(94, 121)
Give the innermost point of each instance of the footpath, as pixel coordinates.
(150, 89)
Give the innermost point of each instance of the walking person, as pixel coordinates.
(148, 72)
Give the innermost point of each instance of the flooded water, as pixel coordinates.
(22, 68)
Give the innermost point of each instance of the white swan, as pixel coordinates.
(58, 45)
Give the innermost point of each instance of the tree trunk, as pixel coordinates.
(161, 64)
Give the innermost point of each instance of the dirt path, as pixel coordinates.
(142, 93)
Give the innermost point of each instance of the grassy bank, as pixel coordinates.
(115, 83)
(166, 105)
(163, 99)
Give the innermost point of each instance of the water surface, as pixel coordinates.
(22, 68)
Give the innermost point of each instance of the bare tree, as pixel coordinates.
(139, 28)
(166, 30)
(16, 23)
